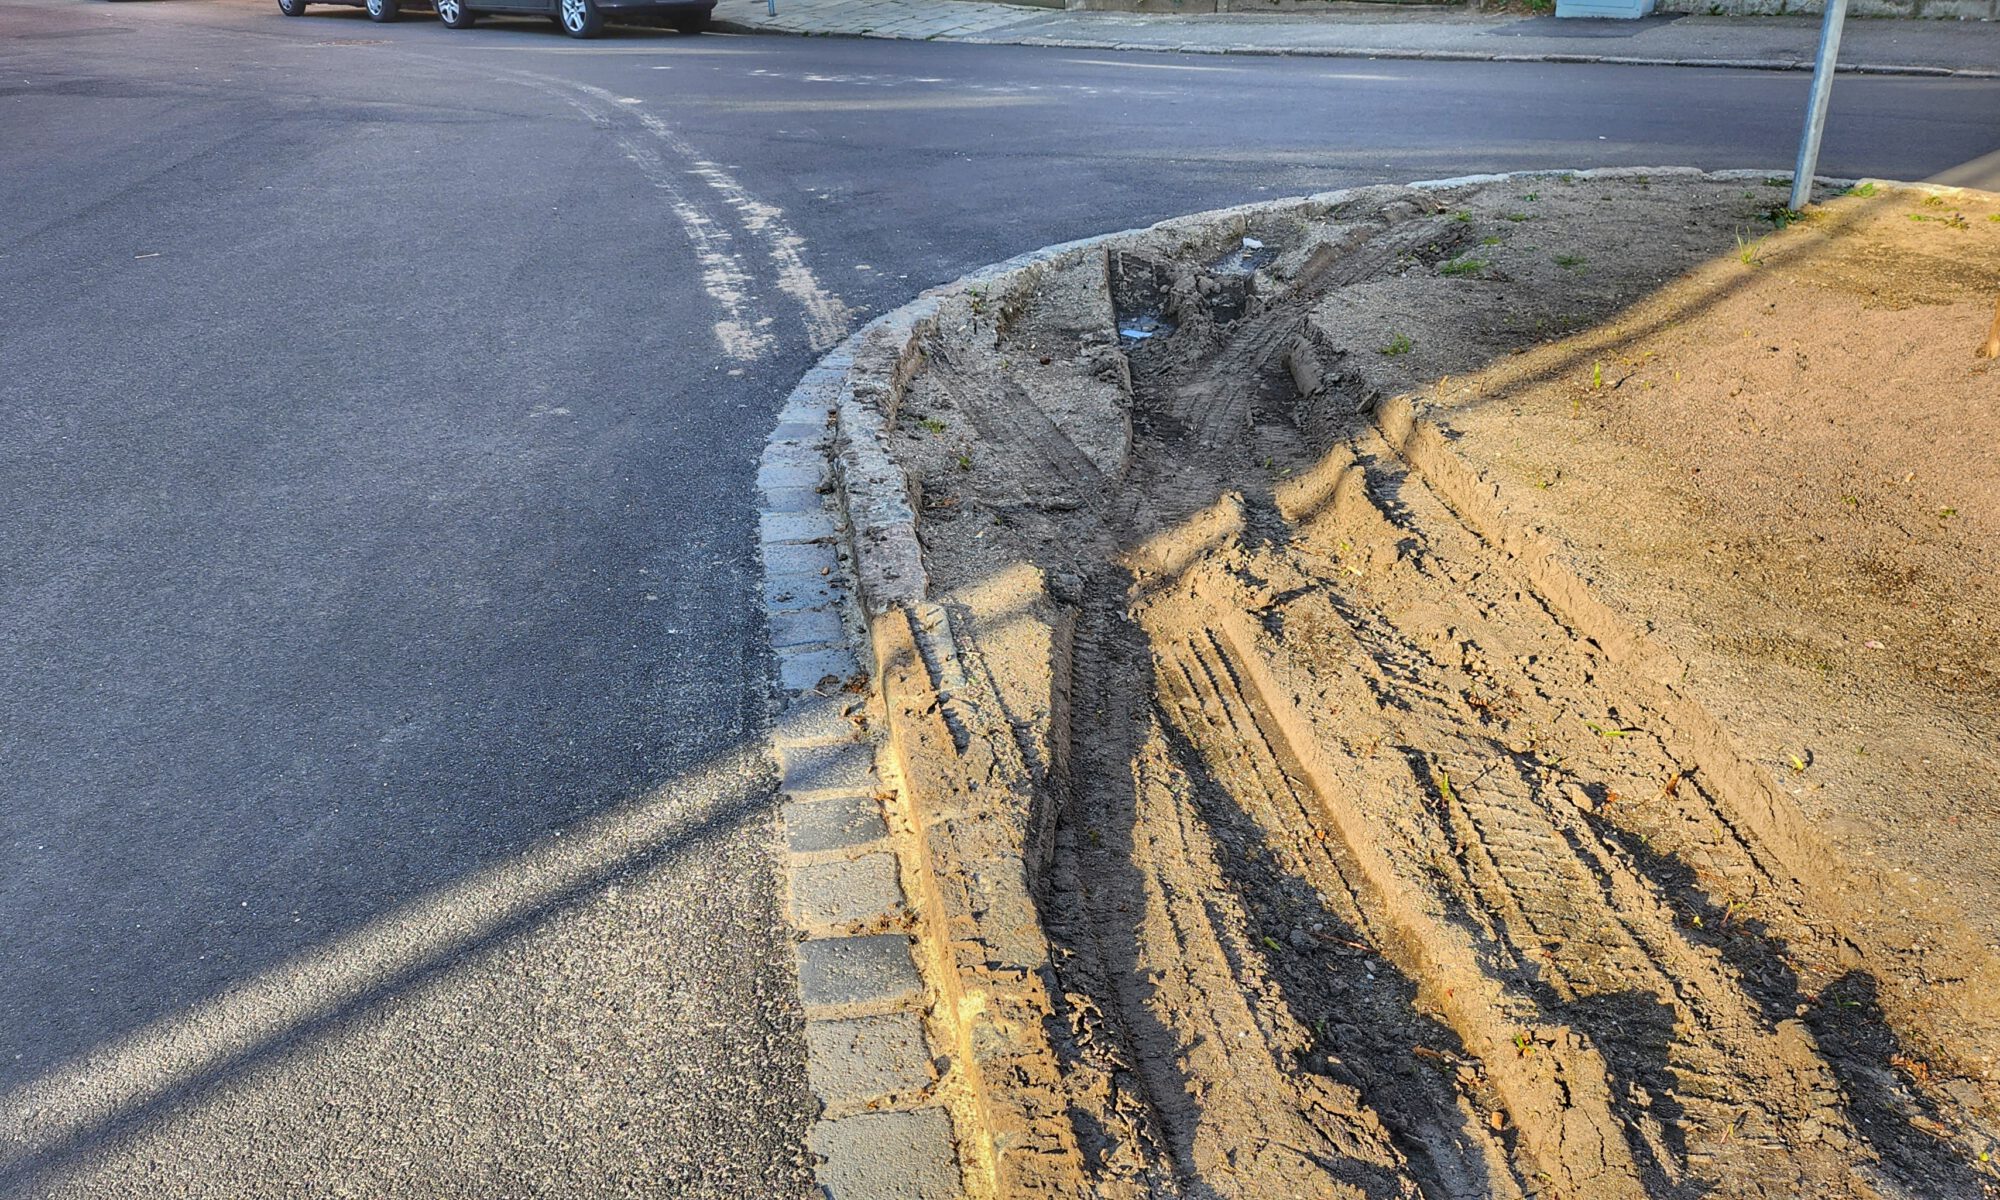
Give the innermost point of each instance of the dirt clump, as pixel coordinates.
(1439, 632)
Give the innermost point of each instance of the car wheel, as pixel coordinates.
(454, 14)
(690, 23)
(581, 18)
(292, 8)
(384, 10)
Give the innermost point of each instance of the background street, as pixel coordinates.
(382, 669)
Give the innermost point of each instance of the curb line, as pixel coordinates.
(882, 1132)
(998, 38)
(981, 965)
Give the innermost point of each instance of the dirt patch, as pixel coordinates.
(1492, 718)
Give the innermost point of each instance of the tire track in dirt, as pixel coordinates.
(1529, 866)
(1212, 402)
(1373, 873)
(1387, 1063)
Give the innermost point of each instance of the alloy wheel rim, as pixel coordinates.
(447, 10)
(572, 13)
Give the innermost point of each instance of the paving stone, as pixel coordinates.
(812, 433)
(794, 454)
(807, 670)
(792, 592)
(841, 767)
(846, 893)
(824, 378)
(806, 627)
(797, 527)
(803, 558)
(854, 1059)
(887, 1156)
(811, 717)
(813, 413)
(790, 475)
(793, 500)
(875, 968)
(835, 823)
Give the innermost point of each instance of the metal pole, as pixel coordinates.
(1822, 89)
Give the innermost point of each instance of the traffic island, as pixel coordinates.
(1478, 688)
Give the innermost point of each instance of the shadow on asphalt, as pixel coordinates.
(121, 1090)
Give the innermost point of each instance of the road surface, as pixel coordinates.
(381, 672)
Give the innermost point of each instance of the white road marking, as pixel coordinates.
(1145, 66)
(883, 104)
(723, 276)
(827, 316)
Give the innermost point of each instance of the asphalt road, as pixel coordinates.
(380, 664)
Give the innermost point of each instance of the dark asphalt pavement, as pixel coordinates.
(381, 669)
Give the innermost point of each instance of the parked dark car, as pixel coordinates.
(583, 18)
(378, 10)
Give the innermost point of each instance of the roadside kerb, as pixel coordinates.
(971, 909)
(883, 1132)
(907, 29)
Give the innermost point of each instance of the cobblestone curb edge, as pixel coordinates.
(922, 967)
(998, 37)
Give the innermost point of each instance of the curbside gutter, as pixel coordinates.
(727, 24)
(885, 1127)
(912, 892)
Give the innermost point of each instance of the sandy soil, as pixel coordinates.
(1513, 681)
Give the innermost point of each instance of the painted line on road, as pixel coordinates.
(827, 316)
(1146, 66)
(724, 276)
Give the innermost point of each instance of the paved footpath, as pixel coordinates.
(1968, 48)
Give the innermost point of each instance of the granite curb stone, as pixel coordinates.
(834, 823)
(866, 1048)
(847, 766)
(871, 969)
(846, 893)
(893, 1154)
(853, 1060)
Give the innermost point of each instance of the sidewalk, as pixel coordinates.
(1907, 47)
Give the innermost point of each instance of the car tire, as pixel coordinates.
(292, 8)
(689, 23)
(455, 14)
(383, 10)
(580, 18)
